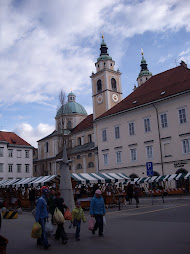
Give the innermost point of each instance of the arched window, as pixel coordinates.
(113, 85)
(89, 138)
(78, 157)
(90, 165)
(79, 166)
(99, 86)
(79, 141)
(90, 155)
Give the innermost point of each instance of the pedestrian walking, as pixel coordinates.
(129, 193)
(60, 232)
(41, 216)
(136, 194)
(77, 216)
(32, 198)
(97, 210)
(52, 203)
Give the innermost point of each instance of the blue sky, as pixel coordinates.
(52, 45)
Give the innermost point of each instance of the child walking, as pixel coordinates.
(77, 216)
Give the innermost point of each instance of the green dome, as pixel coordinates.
(71, 108)
(104, 57)
(144, 73)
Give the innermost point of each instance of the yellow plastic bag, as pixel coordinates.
(36, 230)
(58, 217)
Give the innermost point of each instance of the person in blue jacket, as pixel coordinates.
(97, 210)
(42, 215)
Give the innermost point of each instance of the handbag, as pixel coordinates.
(68, 215)
(58, 217)
(91, 223)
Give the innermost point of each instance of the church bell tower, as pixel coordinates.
(106, 83)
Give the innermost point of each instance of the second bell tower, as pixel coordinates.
(106, 83)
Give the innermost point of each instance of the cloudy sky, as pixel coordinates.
(51, 45)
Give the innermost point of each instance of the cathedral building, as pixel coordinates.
(122, 135)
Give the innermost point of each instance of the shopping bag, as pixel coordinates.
(104, 220)
(36, 230)
(49, 228)
(68, 215)
(58, 217)
(91, 223)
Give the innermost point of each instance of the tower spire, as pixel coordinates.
(144, 74)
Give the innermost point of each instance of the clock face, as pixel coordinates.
(99, 98)
(114, 97)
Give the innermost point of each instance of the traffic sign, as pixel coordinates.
(149, 167)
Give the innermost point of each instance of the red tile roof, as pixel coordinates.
(169, 83)
(12, 138)
(87, 123)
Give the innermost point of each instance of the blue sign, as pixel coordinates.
(149, 167)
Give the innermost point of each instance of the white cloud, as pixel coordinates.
(32, 135)
(48, 45)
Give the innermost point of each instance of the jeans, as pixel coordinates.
(77, 234)
(99, 223)
(43, 240)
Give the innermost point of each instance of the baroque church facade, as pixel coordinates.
(122, 135)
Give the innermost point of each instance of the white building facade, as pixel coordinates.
(16, 157)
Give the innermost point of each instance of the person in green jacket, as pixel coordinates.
(77, 216)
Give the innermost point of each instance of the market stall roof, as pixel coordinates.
(10, 182)
(24, 181)
(84, 178)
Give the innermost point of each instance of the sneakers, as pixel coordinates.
(93, 232)
(77, 239)
(101, 235)
(64, 241)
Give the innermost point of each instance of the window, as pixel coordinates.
(118, 157)
(69, 125)
(27, 168)
(89, 138)
(18, 153)
(78, 157)
(10, 170)
(147, 124)
(1, 151)
(90, 155)
(47, 147)
(182, 116)
(104, 135)
(113, 85)
(26, 153)
(164, 120)
(18, 168)
(105, 157)
(167, 149)
(90, 165)
(79, 141)
(133, 154)
(131, 129)
(149, 152)
(117, 133)
(99, 86)
(79, 166)
(1, 167)
(186, 145)
(10, 153)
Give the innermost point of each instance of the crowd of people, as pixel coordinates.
(50, 200)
